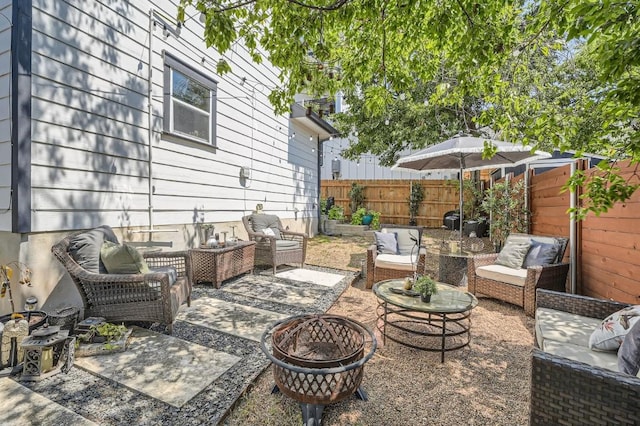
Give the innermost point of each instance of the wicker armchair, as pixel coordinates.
(550, 277)
(132, 297)
(569, 392)
(380, 273)
(275, 250)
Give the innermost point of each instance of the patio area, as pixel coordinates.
(212, 371)
(484, 383)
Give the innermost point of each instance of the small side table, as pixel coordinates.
(216, 265)
(453, 267)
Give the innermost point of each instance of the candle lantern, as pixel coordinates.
(47, 351)
(11, 352)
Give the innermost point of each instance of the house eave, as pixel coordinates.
(312, 122)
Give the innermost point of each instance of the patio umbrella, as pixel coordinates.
(465, 153)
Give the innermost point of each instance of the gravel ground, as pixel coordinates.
(107, 403)
(484, 383)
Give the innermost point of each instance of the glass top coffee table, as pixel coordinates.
(441, 325)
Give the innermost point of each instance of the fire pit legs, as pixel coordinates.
(312, 413)
(318, 360)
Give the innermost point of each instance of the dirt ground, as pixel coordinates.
(484, 383)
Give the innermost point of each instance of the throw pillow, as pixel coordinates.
(513, 253)
(269, 232)
(122, 259)
(610, 333)
(629, 352)
(85, 247)
(261, 222)
(386, 242)
(540, 254)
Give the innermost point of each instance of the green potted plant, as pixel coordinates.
(358, 217)
(335, 215)
(416, 196)
(426, 286)
(375, 219)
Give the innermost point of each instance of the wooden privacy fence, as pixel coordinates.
(390, 198)
(607, 246)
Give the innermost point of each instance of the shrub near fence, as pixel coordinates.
(389, 197)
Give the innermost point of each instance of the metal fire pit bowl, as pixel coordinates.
(318, 360)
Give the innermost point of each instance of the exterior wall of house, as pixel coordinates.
(6, 11)
(96, 143)
(368, 166)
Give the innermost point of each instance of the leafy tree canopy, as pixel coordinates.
(551, 73)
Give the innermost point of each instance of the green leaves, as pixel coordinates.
(553, 74)
(603, 188)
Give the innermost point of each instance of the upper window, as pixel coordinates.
(189, 102)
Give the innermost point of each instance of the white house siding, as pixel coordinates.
(90, 138)
(90, 120)
(368, 167)
(5, 114)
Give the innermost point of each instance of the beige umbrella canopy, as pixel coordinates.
(465, 153)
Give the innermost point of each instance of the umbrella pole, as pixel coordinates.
(461, 214)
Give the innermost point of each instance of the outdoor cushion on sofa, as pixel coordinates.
(85, 248)
(386, 242)
(503, 274)
(287, 245)
(607, 360)
(610, 333)
(396, 261)
(563, 327)
(513, 253)
(122, 259)
(260, 222)
(567, 335)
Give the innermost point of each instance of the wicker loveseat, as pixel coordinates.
(275, 245)
(518, 285)
(567, 391)
(410, 258)
(150, 297)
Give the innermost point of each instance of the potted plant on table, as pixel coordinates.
(425, 286)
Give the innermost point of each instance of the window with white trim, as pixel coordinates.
(189, 102)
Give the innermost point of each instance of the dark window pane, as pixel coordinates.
(190, 91)
(188, 121)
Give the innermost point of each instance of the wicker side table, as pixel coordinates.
(219, 264)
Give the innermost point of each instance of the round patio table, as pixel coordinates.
(405, 319)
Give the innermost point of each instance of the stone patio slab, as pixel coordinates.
(22, 406)
(310, 276)
(274, 292)
(232, 318)
(160, 366)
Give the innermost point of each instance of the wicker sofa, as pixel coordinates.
(149, 297)
(518, 286)
(388, 266)
(565, 390)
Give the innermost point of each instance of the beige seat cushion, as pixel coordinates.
(503, 274)
(287, 245)
(564, 327)
(608, 360)
(399, 262)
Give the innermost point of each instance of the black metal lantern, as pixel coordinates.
(47, 351)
